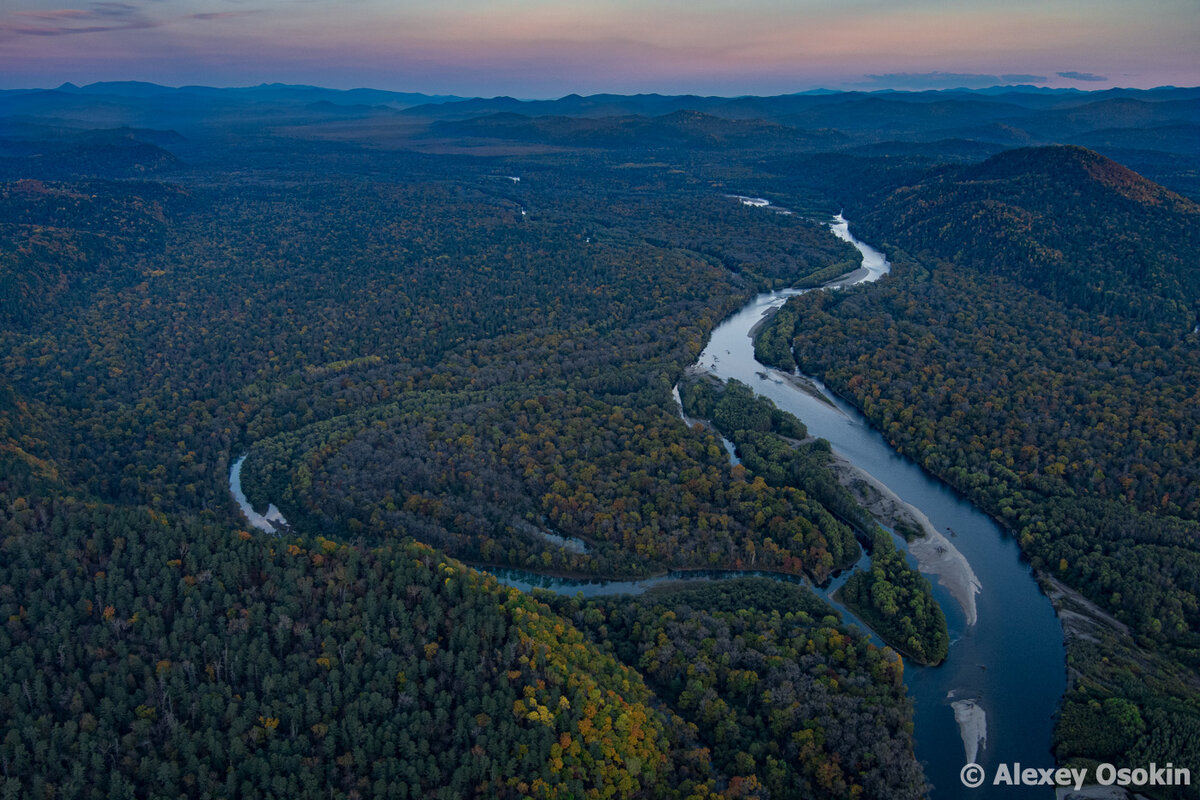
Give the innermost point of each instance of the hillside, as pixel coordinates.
(1064, 221)
(59, 242)
(1035, 348)
(200, 661)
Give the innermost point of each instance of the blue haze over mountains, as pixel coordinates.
(1155, 131)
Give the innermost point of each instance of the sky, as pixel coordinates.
(548, 48)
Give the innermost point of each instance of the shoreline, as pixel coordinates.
(849, 279)
(934, 553)
(767, 316)
(806, 385)
(273, 522)
(1080, 617)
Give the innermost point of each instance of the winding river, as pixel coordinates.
(992, 700)
(1006, 672)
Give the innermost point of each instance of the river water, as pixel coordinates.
(271, 522)
(1010, 665)
(1004, 675)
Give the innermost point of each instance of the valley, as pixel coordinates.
(423, 371)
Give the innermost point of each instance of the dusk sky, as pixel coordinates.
(545, 48)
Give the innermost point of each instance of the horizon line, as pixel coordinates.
(70, 85)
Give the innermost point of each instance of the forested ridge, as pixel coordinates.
(1035, 348)
(1065, 221)
(151, 657)
(776, 689)
(443, 359)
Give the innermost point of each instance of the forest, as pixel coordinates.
(776, 689)
(450, 344)
(431, 364)
(895, 600)
(1048, 370)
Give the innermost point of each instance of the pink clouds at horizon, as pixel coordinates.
(537, 48)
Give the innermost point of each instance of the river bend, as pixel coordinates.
(993, 698)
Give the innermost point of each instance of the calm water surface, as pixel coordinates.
(1011, 662)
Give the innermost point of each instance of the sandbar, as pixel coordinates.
(934, 553)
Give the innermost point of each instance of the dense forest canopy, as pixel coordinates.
(1037, 349)
(448, 333)
(431, 352)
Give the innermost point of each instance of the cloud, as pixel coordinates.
(99, 17)
(29, 30)
(1081, 76)
(113, 9)
(60, 13)
(944, 80)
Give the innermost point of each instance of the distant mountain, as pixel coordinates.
(1181, 137)
(887, 116)
(945, 150)
(118, 88)
(136, 104)
(572, 105)
(999, 133)
(1111, 112)
(677, 129)
(1003, 115)
(264, 91)
(1065, 221)
(807, 110)
(352, 110)
(1154, 130)
(1011, 116)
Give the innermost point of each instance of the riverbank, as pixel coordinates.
(272, 522)
(767, 316)
(1080, 617)
(806, 385)
(849, 279)
(934, 553)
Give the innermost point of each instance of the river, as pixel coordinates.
(1004, 674)
(1011, 664)
(993, 698)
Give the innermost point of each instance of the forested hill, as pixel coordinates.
(61, 241)
(1035, 347)
(1065, 221)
